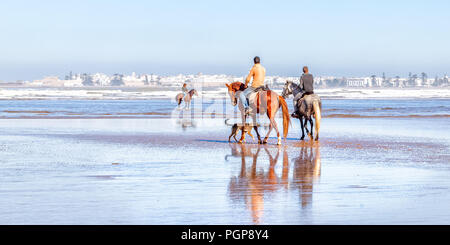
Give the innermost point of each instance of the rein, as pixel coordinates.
(296, 90)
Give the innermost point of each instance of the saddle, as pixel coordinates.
(257, 90)
(261, 88)
(255, 95)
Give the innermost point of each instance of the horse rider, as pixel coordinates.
(306, 85)
(258, 73)
(184, 89)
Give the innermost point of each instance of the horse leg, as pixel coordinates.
(312, 124)
(268, 133)
(256, 128)
(276, 129)
(305, 123)
(317, 129)
(318, 117)
(303, 130)
(242, 139)
(244, 117)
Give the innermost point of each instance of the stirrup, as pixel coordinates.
(247, 111)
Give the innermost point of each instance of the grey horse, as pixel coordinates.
(309, 106)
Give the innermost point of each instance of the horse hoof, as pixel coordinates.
(260, 142)
(265, 142)
(302, 138)
(279, 142)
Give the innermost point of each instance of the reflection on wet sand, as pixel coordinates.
(239, 150)
(306, 172)
(253, 185)
(187, 123)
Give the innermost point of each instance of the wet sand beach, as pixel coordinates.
(173, 171)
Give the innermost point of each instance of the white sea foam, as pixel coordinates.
(131, 94)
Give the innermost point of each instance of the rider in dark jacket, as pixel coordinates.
(307, 87)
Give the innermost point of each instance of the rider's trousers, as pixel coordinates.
(244, 95)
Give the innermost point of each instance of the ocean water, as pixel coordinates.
(165, 108)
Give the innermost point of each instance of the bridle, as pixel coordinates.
(287, 90)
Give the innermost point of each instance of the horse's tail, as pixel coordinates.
(317, 114)
(179, 98)
(286, 117)
(226, 122)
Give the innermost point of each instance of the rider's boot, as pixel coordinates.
(247, 111)
(295, 114)
(246, 107)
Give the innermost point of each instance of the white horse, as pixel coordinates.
(187, 99)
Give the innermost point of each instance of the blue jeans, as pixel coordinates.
(243, 96)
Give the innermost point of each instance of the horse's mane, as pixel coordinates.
(293, 84)
(237, 86)
(191, 90)
(295, 87)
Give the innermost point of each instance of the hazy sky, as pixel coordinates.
(343, 38)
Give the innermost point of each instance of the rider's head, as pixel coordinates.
(257, 60)
(184, 84)
(305, 69)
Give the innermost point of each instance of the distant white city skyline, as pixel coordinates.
(214, 80)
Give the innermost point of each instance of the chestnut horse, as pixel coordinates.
(263, 102)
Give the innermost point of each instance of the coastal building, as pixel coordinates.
(134, 80)
(100, 79)
(77, 82)
(211, 80)
(51, 81)
(116, 80)
(359, 82)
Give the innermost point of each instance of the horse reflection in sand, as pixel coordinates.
(306, 173)
(243, 152)
(253, 184)
(186, 123)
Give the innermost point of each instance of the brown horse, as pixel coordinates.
(187, 98)
(263, 102)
